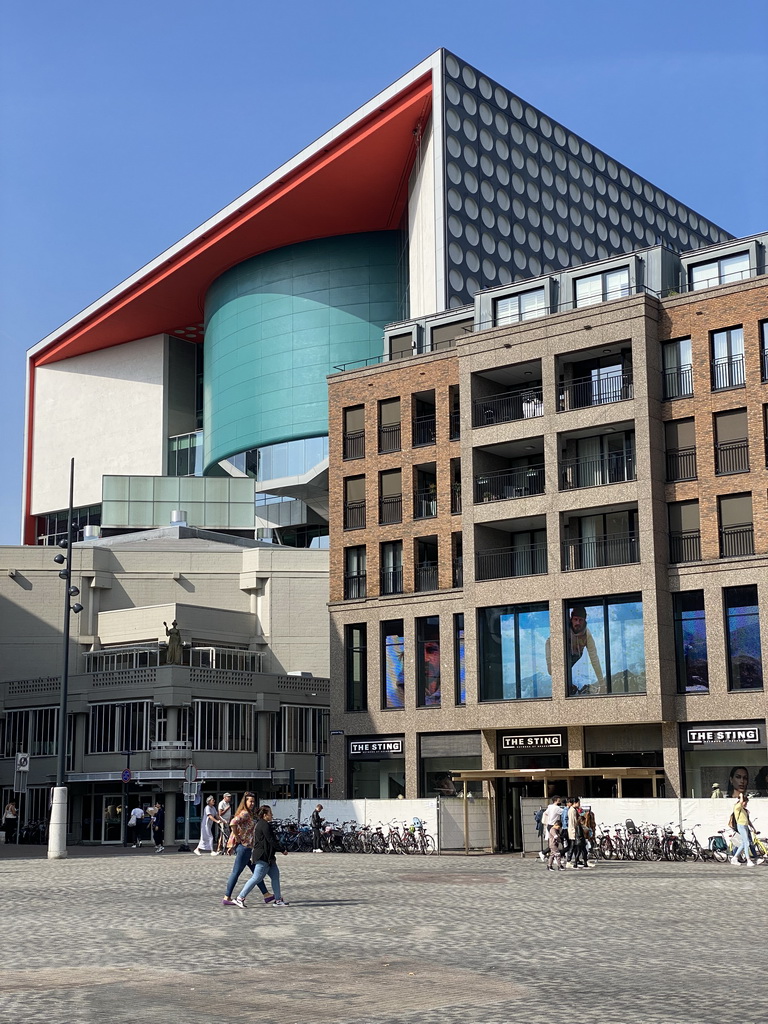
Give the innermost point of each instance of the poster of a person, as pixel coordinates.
(578, 640)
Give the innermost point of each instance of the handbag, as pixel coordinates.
(732, 822)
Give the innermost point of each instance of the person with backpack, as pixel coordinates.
(744, 827)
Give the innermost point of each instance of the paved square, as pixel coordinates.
(116, 936)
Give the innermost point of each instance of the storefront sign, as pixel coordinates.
(358, 748)
(551, 740)
(696, 737)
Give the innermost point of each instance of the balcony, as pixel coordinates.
(391, 581)
(600, 552)
(678, 382)
(591, 391)
(457, 574)
(510, 563)
(685, 547)
(425, 504)
(505, 484)
(354, 445)
(456, 498)
(454, 426)
(728, 372)
(519, 404)
(425, 576)
(354, 515)
(613, 468)
(737, 541)
(732, 457)
(681, 464)
(764, 365)
(391, 510)
(389, 438)
(424, 430)
(140, 656)
(354, 587)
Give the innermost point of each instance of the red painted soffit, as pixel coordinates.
(357, 183)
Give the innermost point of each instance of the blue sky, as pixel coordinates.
(124, 126)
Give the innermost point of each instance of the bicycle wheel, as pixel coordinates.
(427, 845)
(605, 848)
(652, 849)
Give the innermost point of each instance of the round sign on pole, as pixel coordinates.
(190, 773)
(126, 775)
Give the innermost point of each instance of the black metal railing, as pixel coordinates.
(457, 576)
(425, 576)
(425, 504)
(595, 471)
(678, 382)
(391, 509)
(509, 563)
(391, 581)
(732, 457)
(685, 547)
(518, 404)
(589, 391)
(598, 552)
(354, 445)
(424, 430)
(455, 500)
(354, 587)
(454, 425)
(728, 372)
(681, 464)
(505, 484)
(389, 438)
(354, 515)
(736, 541)
(764, 364)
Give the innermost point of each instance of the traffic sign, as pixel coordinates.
(190, 773)
(191, 791)
(125, 775)
(22, 762)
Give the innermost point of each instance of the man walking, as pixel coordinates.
(317, 823)
(225, 816)
(158, 827)
(551, 814)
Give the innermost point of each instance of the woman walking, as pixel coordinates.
(265, 846)
(240, 843)
(744, 827)
(210, 815)
(10, 821)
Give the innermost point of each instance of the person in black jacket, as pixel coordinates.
(158, 827)
(265, 847)
(317, 824)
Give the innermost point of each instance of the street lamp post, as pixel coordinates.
(57, 831)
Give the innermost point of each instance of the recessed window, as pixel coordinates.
(611, 284)
(393, 664)
(356, 666)
(605, 646)
(742, 621)
(428, 662)
(722, 271)
(728, 358)
(514, 652)
(736, 528)
(523, 306)
(354, 573)
(691, 642)
(677, 373)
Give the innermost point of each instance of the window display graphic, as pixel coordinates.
(605, 647)
(431, 670)
(513, 641)
(394, 671)
(462, 683)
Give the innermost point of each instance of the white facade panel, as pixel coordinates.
(422, 228)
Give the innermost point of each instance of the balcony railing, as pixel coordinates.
(678, 382)
(389, 438)
(392, 581)
(504, 484)
(424, 430)
(509, 563)
(732, 457)
(138, 656)
(685, 547)
(227, 658)
(456, 500)
(613, 468)
(425, 576)
(391, 510)
(598, 552)
(454, 428)
(354, 587)
(425, 504)
(764, 364)
(354, 445)
(590, 391)
(728, 372)
(518, 404)
(736, 541)
(457, 575)
(681, 464)
(354, 515)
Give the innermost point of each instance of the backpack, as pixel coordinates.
(538, 816)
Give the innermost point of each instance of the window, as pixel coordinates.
(608, 538)
(356, 666)
(426, 567)
(354, 432)
(393, 651)
(401, 346)
(115, 728)
(225, 725)
(514, 652)
(764, 351)
(722, 271)
(390, 497)
(691, 642)
(428, 662)
(611, 284)
(185, 454)
(392, 567)
(677, 363)
(460, 680)
(605, 646)
(601, 459)
(523, 306)
(731, 442)
(680, 437)
(684, 532)
(728, 358)
(742, 624)
(354, 573)
(736, 529)
(300, 729)
(354, 503)
(389, 425)
(52, 528)
(424, 420)
(33, 731)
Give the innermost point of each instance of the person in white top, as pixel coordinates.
(134, 825)
(551, 814)
(210, 817)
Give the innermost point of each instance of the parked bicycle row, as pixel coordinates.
(352, 837)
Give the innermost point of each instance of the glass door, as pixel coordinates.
(111, 818)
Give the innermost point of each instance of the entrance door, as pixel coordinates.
(111, 818)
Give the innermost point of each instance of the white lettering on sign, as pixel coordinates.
(545, 740)
(376, 747)
(724, 735)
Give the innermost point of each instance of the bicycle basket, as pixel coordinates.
(717, 843)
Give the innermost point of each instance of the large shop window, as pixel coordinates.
(428, 661)
(514, 645)
(393, 648)
(742, 618)
(691, 642)
(605, 646)
(356, 666)
(460, 678)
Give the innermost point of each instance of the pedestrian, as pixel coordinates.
(225, 816)
(210, 817)
(549, 816)
(158, 827)
(10, 821)
(240, 845)
(317, 826)
(576, 852)
(744, 827)
(589, 827)
(134, 825)
(564, 826)
(555, 846)
(265, 847)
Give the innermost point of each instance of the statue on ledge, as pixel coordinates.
(173, 654)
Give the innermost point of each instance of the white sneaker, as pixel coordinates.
(197, 852)
(760, 860)
(214, 853)
(317, 851)
(735, 861)
(159, 849)
(750, 863)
